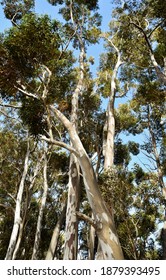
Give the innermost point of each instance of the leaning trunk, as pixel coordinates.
(105, 228)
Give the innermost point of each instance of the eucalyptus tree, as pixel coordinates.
(143, 31)
(151, 114)
(40, 78)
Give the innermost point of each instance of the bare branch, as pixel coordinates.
(154, 29)
(10, 106)
(160, 74)
(26, 93)
(7, 207)
(59, 143)
(86, 219)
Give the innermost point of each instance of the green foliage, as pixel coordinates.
(27, 66)
(36, 122)
(36, 45)
(133, 148)
(16, 9)
(91, 5)
(135, 211)
(121, 154)
(126, 120)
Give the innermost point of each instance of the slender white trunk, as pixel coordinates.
(17, 216)
(109, 132)
(109, 127)
(161, 75)
(55, 236)
(27, 205)
(41, 212)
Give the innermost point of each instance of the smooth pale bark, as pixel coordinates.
(160, 179)
(17, 216)
(109, 134)
(109, 131)
(55, 236)
(20, 235)
(71, 230)
(91, 243)
(27, 205)
(109, 127)
(41, 211)
(105, 228)
(160, 74)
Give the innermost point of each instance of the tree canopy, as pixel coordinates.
(82, 154)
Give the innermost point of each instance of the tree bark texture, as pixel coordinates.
(106, 231)
(71, 231)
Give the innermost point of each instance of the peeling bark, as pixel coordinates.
(106, 231)
(71, 231)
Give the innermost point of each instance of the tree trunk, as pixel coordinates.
(109, 135)
(55, 236)
(17, 216)
(109, 127)
(20, 234)
(71, 230)
(27, 205)
(106, 231)
(160, 179)
(41, 212)
(91, 243)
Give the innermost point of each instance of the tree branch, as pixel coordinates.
(10, 106)
(60, 144)
(86, 219)
(160, 74)
(26, 92)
